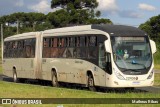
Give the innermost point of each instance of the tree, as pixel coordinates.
(73, 12)
(59, 18)
(32, 19)
(78, 12)
(27, 22)
(76, 4)
(100, 21)
(152, 27)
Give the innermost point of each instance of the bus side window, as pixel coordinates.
(59, 42)
(28, 51)
(5, 50)
(63, 42)
(82, 41)
(61, 47)
(9, 49)
(52, 42)
(78, 41)
(72, 40)
(55, 42)
(66, 42)
(19, 45)
(92, 47)
(14, 47)
(33, 42)
(54, 48)
(23, 49)
(92, 41)
(46, 42)
(46, 47)
(80, 47)
(102, 62)
(108, 63)
(69, 49)
(19, 51)
(29, 48)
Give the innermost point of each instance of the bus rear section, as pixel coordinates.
(20, 60)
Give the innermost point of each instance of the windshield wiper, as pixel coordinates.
(130, 70)
(138, 64)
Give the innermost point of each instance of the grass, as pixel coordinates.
(157, 79)
(1, 69)
(13, 90)
(87, 105)
(157, 66)
(157, 59)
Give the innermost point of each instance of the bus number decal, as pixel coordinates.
(131, 78)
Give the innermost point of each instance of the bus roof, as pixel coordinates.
(112, 30)
(69, 29)
(21, 36)
(119, 30)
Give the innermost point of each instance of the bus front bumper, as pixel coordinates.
(124, 83)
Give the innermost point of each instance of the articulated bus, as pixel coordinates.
(115, 56)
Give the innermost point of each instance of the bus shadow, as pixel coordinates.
(122, 90)
(75, 86)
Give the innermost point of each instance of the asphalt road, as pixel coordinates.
(152, 89)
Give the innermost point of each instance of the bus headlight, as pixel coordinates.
(150, 75)
(119, 76)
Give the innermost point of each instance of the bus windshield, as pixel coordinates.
(131, 53)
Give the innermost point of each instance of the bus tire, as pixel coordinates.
(91, 83)
(54, 79)
(15, 79)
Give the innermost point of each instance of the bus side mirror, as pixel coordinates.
(153, 46)
(107, 46)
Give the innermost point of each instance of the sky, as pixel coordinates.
(125, 12)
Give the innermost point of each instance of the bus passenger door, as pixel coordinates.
(101, 64)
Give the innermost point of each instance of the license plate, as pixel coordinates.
(135, 82)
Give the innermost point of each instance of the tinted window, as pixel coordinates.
(20, 49)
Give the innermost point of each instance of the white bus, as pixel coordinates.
(91, 55)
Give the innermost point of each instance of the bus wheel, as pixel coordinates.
(54, 80)
(15, 76)
(91, 83)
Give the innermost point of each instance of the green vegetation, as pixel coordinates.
(0, 69)
(157, 79)
(0, 61)
(86, 105)
(77, 12)
(152, 27)
(12, 90)
(73, 12)
(157, 59)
